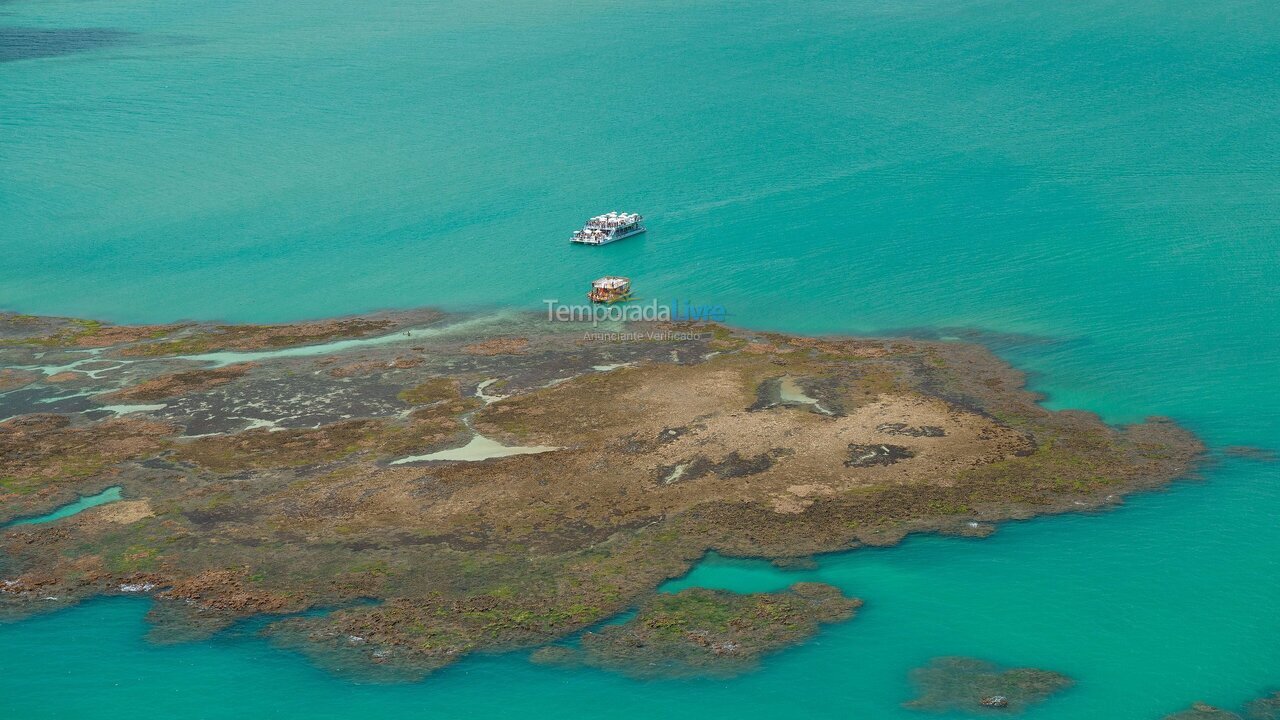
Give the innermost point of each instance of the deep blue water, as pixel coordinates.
(1095, 184)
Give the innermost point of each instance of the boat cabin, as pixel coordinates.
(604, 229)
(610, 289)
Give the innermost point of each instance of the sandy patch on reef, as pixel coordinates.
(125, 511)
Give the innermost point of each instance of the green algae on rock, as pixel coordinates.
(700, 632)
(432, 391)
(973, 685)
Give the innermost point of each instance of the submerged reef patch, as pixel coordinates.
(1263, 708)
(1250, 452)
(972, 685)
(28, 43)
(1203, 711)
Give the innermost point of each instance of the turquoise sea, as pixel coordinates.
(1094, 185)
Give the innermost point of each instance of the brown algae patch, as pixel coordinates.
(976, 686)
(41, 454)
(11, 379)
(498, 346)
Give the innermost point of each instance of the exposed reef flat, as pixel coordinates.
(284, 468)
(190, 338)
(976, 686)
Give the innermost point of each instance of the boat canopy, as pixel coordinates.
(610, 282)
(613, 219)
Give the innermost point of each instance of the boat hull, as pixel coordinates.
(615, 238)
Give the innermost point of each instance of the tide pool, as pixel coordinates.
(85, 502)
(1093, 185)
(477, 449)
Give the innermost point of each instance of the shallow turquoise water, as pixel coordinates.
(1101, 177)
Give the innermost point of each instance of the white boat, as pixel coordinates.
(604, 229)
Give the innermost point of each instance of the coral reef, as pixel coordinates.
(275, 488)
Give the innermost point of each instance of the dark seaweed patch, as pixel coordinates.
(904, 429)
(734, 465)
(768, 394)
(209, 517)
(872, 455)
(24, 43)
(43, 399)
(669, 434)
